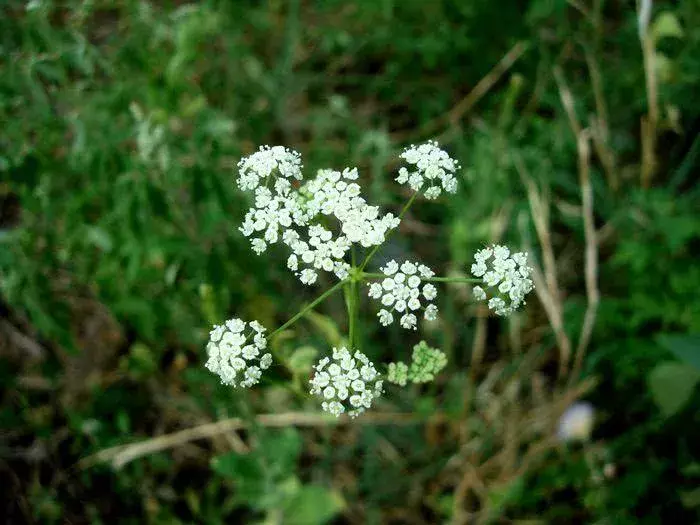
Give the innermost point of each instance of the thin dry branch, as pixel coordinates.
(546, 283)
(591, 257)
(120, 455)
(582, 137)
(599, 122)
(460, 109)
(651, 119)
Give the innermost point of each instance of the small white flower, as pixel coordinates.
(259, 246)
(431, 312)
(414, 281)
(391, 268)
(408, 321)
(228, 356)
(408, 268)
(479, 293)
(265, 361)
(308, 276)
(375, 290)
(576, 424)
(429, 292)
(385, 317)
(333, 382)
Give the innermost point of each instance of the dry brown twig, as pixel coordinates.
(546, 282)
(591, 254)
(651, 119)
(120, 455)
(463, 107)
(582, 137)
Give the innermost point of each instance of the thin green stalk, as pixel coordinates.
(308, 307)
(374, 250)
(352, 302)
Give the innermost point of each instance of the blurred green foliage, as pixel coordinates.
(122, 123)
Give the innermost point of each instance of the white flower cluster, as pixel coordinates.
(321, 252)
(237, 363)
(275, 208)
(433, 167)
(400, 292)
(282, 211)
(257, 167)
(332, 194)
(346, 382)
(508, 274)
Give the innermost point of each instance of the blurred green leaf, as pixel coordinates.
(666, 25)
(327, 327)
(691, 498)
(672, 385)
(313, 505)
(302, 360)
(684, 347)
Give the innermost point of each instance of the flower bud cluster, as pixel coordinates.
(426, 363)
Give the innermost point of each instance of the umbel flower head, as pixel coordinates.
(347, 382)
(506, 277)
(299, 217)
(400, 292)
(434, 170)
(238, 363)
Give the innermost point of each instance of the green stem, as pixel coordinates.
(308, 307)
(374, 250)
(352, 302)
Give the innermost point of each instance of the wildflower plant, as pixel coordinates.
(326, 224)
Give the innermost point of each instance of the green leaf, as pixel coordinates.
(691, 498)
(313, 505)
(281, 450)
(327, 327)
(302, 360)
(684, 347)
(99, 237)
(672, 385)
(666, 25)
(248, 473)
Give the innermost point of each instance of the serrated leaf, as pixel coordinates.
(684, 347)
(313, 505)
(671, 386)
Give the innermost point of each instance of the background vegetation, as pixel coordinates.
(121, 124)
